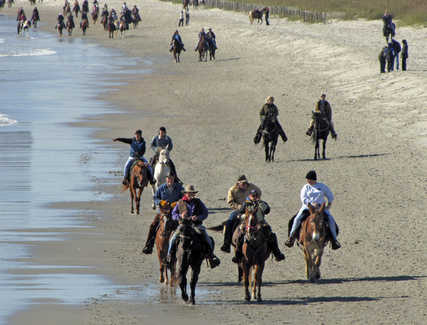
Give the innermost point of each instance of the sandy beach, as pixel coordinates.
(376, 168)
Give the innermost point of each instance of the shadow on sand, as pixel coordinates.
(344, 157)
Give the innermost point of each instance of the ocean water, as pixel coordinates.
(45, 83)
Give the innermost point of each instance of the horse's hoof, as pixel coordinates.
(193, 300)
(184, 297)
(154, 207)
(248, 298)
(259, 299)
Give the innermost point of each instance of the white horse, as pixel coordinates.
(161, 169)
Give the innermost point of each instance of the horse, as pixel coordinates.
(95, 13)
(84, 24)
(66, 9)
(59, 28)
(389, 30)
(189, 253)
(136, 18)
(70, 25)
(163, 234)
(256, 14)
(104, 22)
(122, 28)
(76, 9)
(212, 50)
(255, 252)
(202, 48)
(111, 29)
(320, 132)
(176, 50)
(160, 169)
(138, 180)
(24, 26)
(313, 238)
(269, 131)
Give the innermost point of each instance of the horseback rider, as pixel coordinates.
(35, 16)
(137, 151)
(261, 209)
(170, 192)
(388, 20)
(60, 19)
(202, 34)
(176, 37)
(192, 208)
(269, 112)
(20, 14)
(211, 37)
(135, 13)
(323, 107)
(85, 7)
(161, 141)
(314, 193)
(236, 196)
(70, 19)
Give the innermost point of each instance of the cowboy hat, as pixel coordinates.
(189, 189)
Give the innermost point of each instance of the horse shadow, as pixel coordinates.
(218, 210)
(373, 155)
(228, 59)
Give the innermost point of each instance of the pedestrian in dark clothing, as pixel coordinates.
(404, 54)
(187, 16)
(390, 57)
(382, 58)
(397, 48)
(267, 15)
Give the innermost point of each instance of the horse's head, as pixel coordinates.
(163, 156)
(251, 224)
(141, 170)
(167, 223)
(317, 221)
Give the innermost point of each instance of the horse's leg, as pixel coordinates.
(240, 273)
(254, 281)
(246, 281)
(132, 195)
(324, 148)
(258, 275)
(195, 270)
(273, 148)
(153, 191)
(266, 147)
(307, 263)
(182, 278)
(316, 149)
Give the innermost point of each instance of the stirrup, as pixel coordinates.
(214, 262)
(147, 250)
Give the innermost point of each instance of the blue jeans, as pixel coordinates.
(231, 218)
(397, 61)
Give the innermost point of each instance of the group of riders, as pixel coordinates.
(389, 55)
(23, 22)
(243, 196)
(208, 39)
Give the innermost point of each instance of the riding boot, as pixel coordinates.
(281, 132)
(125, 181)
(290, 241)
(239, 254)
(274, 246)
(309, 131)
(227, 237)
(148, 249)
(335, 244)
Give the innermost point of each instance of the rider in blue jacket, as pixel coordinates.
(137, 151)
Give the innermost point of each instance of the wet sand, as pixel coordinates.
(376, 169)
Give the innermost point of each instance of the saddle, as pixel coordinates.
(305, 215)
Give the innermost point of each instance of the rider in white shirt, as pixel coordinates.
(314, 193)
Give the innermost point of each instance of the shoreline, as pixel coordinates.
(174, 93)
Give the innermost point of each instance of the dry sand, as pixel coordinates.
(376, 169)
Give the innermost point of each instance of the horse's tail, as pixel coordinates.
(219, 227)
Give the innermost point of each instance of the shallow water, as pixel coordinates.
(46, 83)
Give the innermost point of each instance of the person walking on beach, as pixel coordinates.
(236, 196)
(397, 48)
(325, 109)
(181, 18)
(187, 16)
(390, 57)
(267, 15)
(404, 54)
(137, 151)
(382, 57)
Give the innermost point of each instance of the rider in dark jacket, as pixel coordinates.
(269, 113)
(211, 37)
(176, 37)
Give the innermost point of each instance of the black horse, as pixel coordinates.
(269, 130)
(176, 50)
(190, 252)
(320, 132)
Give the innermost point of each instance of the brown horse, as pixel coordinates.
(255, 252)
(312, 240)
(111, 29)
(66, 9)
(59, 28)
(122, 28)
(163, 234)
(202, 48)
(138, 180)
(84, 24)
(257, 14)
(176, 50)
(95, 13)
(70, 26)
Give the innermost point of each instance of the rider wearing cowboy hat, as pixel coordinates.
(314, 193)
(190, 207)
(237, 195)
(261, 209)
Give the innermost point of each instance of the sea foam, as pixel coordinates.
(5, 121)
(34, 52)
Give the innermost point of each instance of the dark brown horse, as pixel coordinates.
(257, 14)
(202, 48)
(70, 25)
(138, 180)
(84, 24)
(313, 238)
(320, 132)
(163, 234)
(176, 50)
(255, 252)
(111, 29)
(95, 13)
(76, 9)
(59, 27)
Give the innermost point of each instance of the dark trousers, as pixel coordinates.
(390, 64)
(181, 22)
(382, 65)
(403, 63)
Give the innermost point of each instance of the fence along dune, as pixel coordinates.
(406, 11)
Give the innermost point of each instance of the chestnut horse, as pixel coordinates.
(176, 50)
(138, 180)
(84, 24)
(257, 14)
(313, 238)
(202, 48)
(255, 252)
